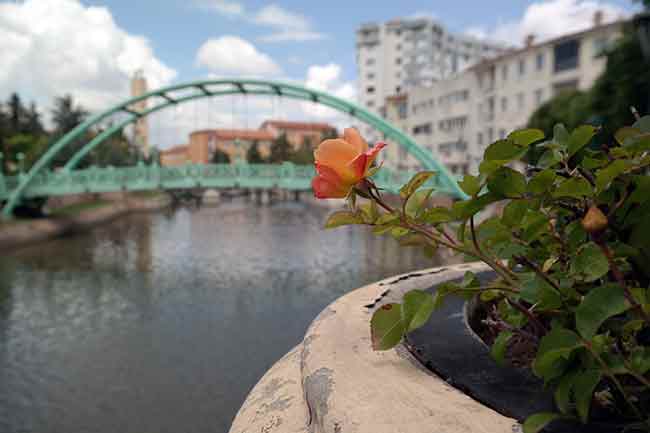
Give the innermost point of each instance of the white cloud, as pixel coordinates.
(327, 78)
(287, 25)
(234, 55)
(53, 47)
(223, 7)
(550, 18)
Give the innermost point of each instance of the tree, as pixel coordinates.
(329, 134)
(253, 155)
(624, 83)
(220, 157)
(65, 117)
(115, 151)
(571, 108)
(305, 153)
(33, 123)
(31, 146)
(280, 149)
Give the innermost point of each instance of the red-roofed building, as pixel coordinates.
(177, 155)
(298, 132)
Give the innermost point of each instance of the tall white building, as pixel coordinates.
(404, 53)
(458, 117)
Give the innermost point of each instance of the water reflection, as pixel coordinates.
(163, 322)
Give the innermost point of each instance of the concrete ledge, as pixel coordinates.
(349, 388)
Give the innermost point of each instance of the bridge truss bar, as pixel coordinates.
(237, 86)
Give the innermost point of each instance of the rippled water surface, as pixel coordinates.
(163, 322)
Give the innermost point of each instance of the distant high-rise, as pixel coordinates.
(403, 53)
(141, 128)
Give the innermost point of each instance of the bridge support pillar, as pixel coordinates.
(264, 196)
(296, 196)
(211, 197)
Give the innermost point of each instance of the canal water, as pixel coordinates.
(163, 322)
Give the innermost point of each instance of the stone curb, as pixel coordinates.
(349, 388)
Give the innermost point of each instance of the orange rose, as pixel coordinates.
(342, 163)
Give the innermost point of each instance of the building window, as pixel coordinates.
(539, 61)
(398, 61)
(370, 75)
(566, 55)
(370, 62)
(402, 110)
(504, 104)
(490, 135)
(522, 67)
(539, 96)
(520, 101)
(424, 128)
(479, 138)
(370, 104)
(398, 89)
(502, 134)
(370, 89)
(398, 47)
(504, 73)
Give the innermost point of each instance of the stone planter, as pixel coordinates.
(333, 382)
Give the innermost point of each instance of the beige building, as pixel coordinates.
(177, 155)
(298, 132)
(458, 117)
(140, 127)
(234, 142)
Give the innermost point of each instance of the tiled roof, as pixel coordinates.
(235, 134)
(303, 126)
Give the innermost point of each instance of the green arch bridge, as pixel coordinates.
(41, 181)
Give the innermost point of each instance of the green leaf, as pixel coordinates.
(387, 218)
(562, 394)
(498, 350)
(640, 360)
(626, 132)
(541, 182)
(606, 175)
(550, 158)
(438, 215)
(503, 151)
(514, 212)
(580, 137)
(387, 327)
(507, 182)
(470, 184)
(342, 218)
(464, 209)
(600, 304)
(369, 212)
(590, 263)
(533, 225)
(416, 309)
(554, 350)
(535, 423)
(416, 201)
(561, 135)
(416, 182)
(536, 290)
(573, 187)
(584, 385)
(526, 137)
(643, 124)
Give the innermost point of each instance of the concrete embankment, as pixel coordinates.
(75, 218)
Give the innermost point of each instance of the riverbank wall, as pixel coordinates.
(17, 233)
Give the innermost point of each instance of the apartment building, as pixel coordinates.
(458, 117)
(395, 56)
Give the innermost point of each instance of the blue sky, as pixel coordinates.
(176, 28)
(91, 48)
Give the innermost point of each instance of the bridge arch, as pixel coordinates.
(223, 87)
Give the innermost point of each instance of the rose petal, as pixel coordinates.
(337, 155)
(352, 136)
(323, 188)
(358, 166)
(371, 154)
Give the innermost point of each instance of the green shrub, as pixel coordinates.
(571, 251)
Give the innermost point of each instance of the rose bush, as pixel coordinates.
(571, 251)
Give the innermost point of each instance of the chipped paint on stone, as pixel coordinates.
(318, 387)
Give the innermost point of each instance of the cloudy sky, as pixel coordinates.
(90, 48)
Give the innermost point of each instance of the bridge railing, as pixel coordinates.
(149, 177)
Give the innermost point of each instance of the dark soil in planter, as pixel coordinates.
(447, 346)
